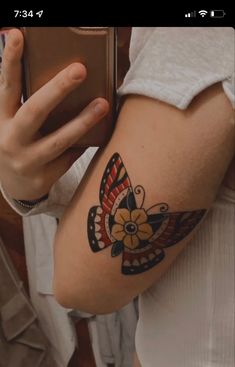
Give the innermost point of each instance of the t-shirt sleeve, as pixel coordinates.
(175, 64)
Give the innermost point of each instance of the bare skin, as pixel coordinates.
(30, 164)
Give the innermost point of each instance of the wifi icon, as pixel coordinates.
(202, 13)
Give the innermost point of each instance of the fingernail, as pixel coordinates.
(75, 72)
(99, 109)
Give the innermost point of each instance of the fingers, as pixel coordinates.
(10, 79)
(35, 110)
(52, 146)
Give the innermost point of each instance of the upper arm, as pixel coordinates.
(160, 172)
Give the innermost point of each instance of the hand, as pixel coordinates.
(31, 164)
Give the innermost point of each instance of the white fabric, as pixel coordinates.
(175, 64)
(39, 231)
(116, 332)
(39, 234)
(186, 319)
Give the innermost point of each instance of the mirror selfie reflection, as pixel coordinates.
(117, 177)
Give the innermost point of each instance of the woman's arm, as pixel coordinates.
(142, 199)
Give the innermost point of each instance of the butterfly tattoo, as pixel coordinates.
(121, 222)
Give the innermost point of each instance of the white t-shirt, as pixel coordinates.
(187, 317)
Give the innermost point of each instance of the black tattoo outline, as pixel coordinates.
(139, 234)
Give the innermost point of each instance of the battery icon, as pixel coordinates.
(217, 13)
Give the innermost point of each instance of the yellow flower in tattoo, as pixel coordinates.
(131, 227)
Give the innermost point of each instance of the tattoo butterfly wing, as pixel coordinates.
(174, 228)
(115, 190)
(139, 260)
(177, 226)
(168, 228)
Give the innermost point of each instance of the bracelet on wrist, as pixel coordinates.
(29, 204)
